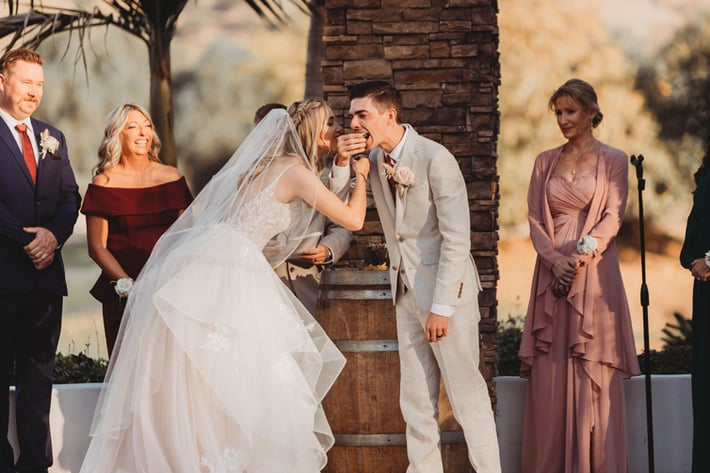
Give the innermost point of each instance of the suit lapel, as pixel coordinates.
(384, 182)
(14, 151)
(36, 126)
(407, 158)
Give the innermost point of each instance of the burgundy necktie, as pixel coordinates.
(27, 151)
(390, 177)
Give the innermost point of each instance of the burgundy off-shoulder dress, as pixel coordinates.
(137, 217)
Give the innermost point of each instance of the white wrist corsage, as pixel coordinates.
(707, 259)
(402, 175)
(123, 286)
(47, 143)
(587, 245)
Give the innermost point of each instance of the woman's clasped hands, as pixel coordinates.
(564, 270)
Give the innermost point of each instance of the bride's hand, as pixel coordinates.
(361, 166)
(349, 145)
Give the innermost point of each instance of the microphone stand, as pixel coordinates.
(638, 163)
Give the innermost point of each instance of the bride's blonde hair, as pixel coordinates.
(309, 124)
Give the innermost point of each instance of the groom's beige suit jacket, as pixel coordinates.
(430, 225)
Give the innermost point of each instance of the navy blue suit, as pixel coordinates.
(31, 299)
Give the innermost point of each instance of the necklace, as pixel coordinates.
(579, 154)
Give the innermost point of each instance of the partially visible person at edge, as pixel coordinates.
(424, 211)
(265, 109)
(131, 201)
(327, 241)
(39, 204)
(577, 344)
(695, 256)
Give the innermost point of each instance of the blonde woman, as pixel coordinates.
(577, 345)
(131, 201)
(327, 241)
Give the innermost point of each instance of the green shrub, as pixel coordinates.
(508, 336)
(670, 360)
(78, 369)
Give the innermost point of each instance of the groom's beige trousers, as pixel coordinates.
(455, 358)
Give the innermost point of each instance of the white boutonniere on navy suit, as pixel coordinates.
(48, 144)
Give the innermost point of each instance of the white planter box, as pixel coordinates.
(70, 420)
(73, 408)
(672, 422)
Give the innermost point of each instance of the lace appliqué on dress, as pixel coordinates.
(217, 341)
(264, 216)
(230, 461)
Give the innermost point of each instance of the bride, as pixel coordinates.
(218, 367)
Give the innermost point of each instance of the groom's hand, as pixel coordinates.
(436, 328)
(318, 255)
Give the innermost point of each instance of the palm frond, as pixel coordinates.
(273, 11)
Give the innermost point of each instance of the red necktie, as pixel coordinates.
(27, 151)
(390, 177)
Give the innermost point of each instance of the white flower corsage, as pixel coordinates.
(402, 175)
(123, 287)
(48, 143)
(587, 245)
(707, 259)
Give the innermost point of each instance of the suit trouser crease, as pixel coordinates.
(456, 358)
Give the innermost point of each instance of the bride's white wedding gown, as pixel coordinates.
(221, 369)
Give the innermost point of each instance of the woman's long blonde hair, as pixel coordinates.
(309, 124)
(110, 148)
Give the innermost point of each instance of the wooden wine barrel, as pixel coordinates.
(355, 309)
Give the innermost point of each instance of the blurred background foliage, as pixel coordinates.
(226, 62)
(655, 100)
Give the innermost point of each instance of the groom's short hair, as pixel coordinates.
(383, 95)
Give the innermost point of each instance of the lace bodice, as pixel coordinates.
(264, 216)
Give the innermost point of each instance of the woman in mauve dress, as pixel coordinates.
(695, 256)
(577, 345)
(131, 201)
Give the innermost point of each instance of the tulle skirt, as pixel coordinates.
(218, 369)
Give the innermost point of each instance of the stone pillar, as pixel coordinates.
(442, 55)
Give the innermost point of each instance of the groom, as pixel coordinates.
(422, 203)
(39, 203)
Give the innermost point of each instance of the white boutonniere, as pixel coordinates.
(47, 143)
(402, 175)
(707, 259)
(587, 245)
